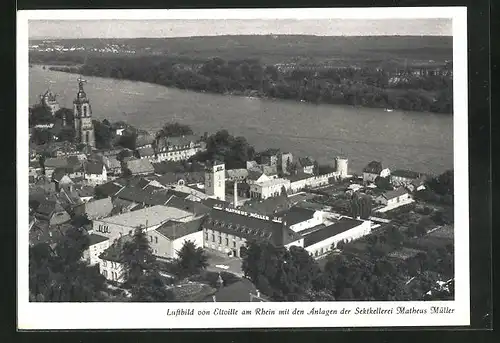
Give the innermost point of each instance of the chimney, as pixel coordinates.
(235, 194)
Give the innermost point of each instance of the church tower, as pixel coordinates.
(215, 180)
(83, 117)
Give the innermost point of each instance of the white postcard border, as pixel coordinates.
(154, 316)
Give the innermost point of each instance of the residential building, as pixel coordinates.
(299, 219)
(147, 153)
(168, 238)
(236, 174)
(148, 218)
(140, 167)
(269, 188)
(404, 177)
(301, 181)
(95, 209)
(111, 263)
(179, 148)
(394, 198)
(95, 172)
(346, 229)
(227, 230)
(372, 171)
(97, 245)
(52, 212)
(215, 180)
(306, 164)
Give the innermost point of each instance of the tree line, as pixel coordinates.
(367, 87)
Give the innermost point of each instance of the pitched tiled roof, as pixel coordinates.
(194, 207)
(342, 225)
(395, 193)
(146, 152)
(138, 166)
(249, 227)
(94, 167)
(267, 206)
(98, 208)
(174, 230)
(305, 161)
(214, 202)
(56, 162)
(296, 215)
(139, 195)
(94, 239)
(109, 188)
(406, 174)
(167, 167)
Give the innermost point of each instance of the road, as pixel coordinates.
(216, 258)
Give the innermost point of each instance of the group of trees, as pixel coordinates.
(439, 189)
(59, 275)
(142, 271)
(368, 87)
(222, 146)
(292, 275)
(361, 205)
(40, 115)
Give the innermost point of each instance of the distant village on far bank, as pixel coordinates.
(216, 196)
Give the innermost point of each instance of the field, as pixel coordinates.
(376, 51)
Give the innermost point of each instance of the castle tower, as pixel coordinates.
(342, 164)
(83, 117)
(49, 101)
(215, 180)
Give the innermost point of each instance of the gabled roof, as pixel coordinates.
(114, 252)
(395, 193)
(146, 152)
(268, 206)
(95, 239)
(249, 227)
(98, 208)
(94, 167)
(236, 173)
(194, 207)
(409, 174)
(138, 166)
(210, 202)
(174, 230)
(344, 224)
(56, 162)
(305, 161)
(296, 215)
(109, 188)
(167, 167)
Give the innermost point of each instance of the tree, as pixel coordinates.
(150, 287)
(137, 257)
(104, 134)
(284, 192)
(315, 168)
(39, 115)
(41, 136)
(67, 134)
(174, 130)
(191, 259)
(383, 183)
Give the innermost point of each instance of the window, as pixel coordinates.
(220, 240)
(156, 239)
(84, 111)
(227, 242)
(213, 238)
(151, 238)
(234, 244)
(206, 236)
(104, 263)
(105, 273)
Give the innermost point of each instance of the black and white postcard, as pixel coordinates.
(271, 168)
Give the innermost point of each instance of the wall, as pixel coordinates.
(91, 255)
(320, 248)
(314, 181)
(402, 199)
(114, 231)
(113, 271)
(234, 243)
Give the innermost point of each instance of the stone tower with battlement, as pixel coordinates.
(82, 111)
(215, 180)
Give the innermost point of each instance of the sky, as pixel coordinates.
(45, 29)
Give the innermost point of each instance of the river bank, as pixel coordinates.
(400, 139)
(370, 88)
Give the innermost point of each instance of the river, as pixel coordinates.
(401, 140)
